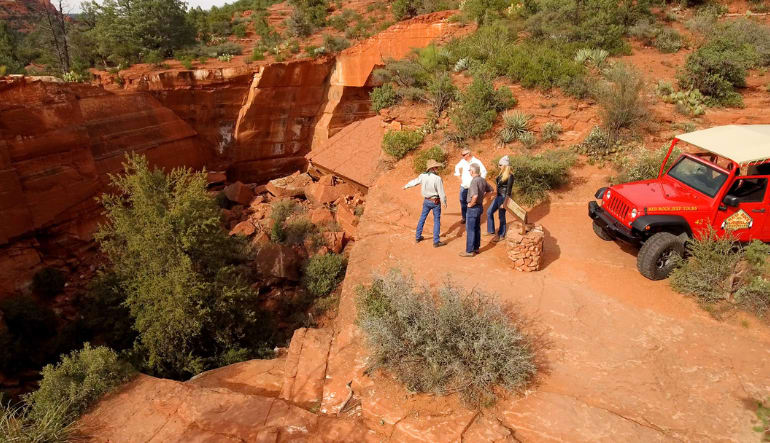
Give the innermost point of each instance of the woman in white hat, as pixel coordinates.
(504, 181)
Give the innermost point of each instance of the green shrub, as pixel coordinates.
(666, 40)
(715, 72)
(48, 282)
(239, 30)
(154, 58)
(643, 164)
(383, 97)
(478, 106)
(441, 92)
(281, 210)
(78, 380)
(105, 316)
(341, 21)
(515, 125)
(334, 43)
(622, 99)
(704, 274)
(551, 132)
(185, 279)
(763, 415)
(404, 9)
(436, 153)
(462, 343)
(598, 146)
(537, 174)
(322, 273)
(542, 65)
(528, 139)
(398, 143)
(187, 62)
(297, 230)
(257, 54)
(65, 392)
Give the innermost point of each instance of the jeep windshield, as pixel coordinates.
(699, 176)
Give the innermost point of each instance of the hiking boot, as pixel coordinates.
(462, 221)
(487, 234)
(467, 254)
(419, 239)
(438, 244)
(496, 238)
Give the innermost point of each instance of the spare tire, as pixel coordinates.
(657, 257)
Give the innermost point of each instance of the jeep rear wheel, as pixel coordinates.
(658, 255)
(601, 233)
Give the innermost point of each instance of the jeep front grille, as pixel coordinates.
(617, 207)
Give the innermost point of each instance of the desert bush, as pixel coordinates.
(441, 92)
(105, 318)
(537, 174)
(643, 164)
(478, 106)
(593, 23)
(622, 100)
(341, 21)
(666, 40)
(334, 43)
(464, 342)
(48, 282)
(704, 274)
(436, 153)
(515, 125)
(322, 273)
(66, 391)
(599, 146)
(78, 380)
(383, 97)
(595, 57)
(297, 230)
(528, 139)
(185, 280)
(763, 416)
(225, 57)
(307, 16)
(404, 9)
(398, 143)
(280, 211)
(551, 132)
(239, 30)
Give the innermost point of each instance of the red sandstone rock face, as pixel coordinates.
(58, 142)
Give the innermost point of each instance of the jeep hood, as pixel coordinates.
(664, 192)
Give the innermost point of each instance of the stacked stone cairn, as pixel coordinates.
(525, 246)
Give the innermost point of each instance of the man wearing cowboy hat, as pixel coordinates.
(433, 193)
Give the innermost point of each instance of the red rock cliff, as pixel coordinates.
(58, 142)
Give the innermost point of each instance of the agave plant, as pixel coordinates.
(582, 55)
(515, 124)
(462, 64)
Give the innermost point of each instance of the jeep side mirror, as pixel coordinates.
(731, 200)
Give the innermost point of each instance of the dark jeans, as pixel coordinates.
(497, 205)
(463, 201)
(428, 206)
(473, 228)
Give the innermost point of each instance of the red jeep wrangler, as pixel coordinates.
(724, 187)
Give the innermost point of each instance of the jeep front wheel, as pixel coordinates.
(657, 257)
(601, 233)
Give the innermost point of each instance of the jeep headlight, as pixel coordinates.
(607, 195)
(633, 213)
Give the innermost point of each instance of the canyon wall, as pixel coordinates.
(58, 143)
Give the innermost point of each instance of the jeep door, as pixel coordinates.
(747, 220)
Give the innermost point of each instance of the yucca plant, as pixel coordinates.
(515, 124)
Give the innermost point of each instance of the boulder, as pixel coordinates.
(347, 220)
(213, 177)
(319, 193)
(277, 260)
(305, 368)
(289, 186)
(334, 241)
(327, 180)
(239, 193)
(321, 216)
(245, 228)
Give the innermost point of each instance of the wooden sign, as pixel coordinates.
(517, 210)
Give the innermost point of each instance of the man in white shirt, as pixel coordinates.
(462, 170)
(433, 192)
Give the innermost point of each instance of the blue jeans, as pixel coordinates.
(463, 201)
(497, 205)
(473, 228)
(428, 206)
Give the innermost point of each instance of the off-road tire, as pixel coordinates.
(601, 233)
(655, 260)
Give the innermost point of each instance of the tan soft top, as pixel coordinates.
(743, 144)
